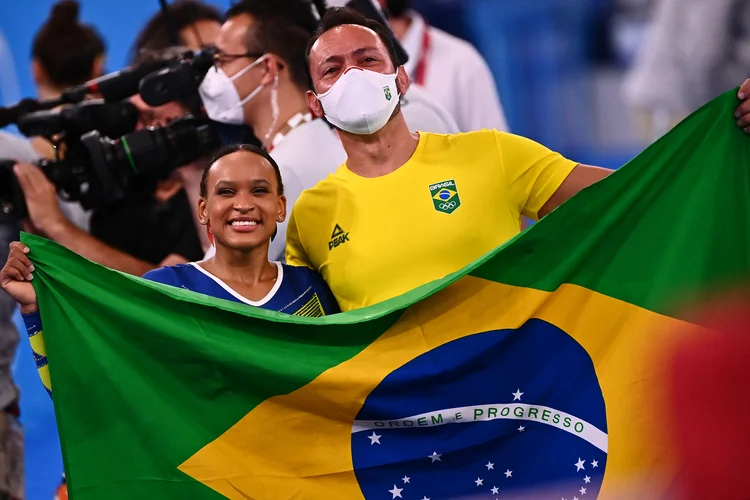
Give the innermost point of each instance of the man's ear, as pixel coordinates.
(273, 66)
(316, 108)
(402, 80)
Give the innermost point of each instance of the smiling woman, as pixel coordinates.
(242, 200)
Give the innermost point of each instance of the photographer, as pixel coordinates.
(152, 227)
(197, 26)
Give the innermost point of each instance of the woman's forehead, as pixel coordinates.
(242, 165)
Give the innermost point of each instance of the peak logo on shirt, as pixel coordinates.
(338, 237)
(445, 196)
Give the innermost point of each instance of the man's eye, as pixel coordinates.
(329, 71)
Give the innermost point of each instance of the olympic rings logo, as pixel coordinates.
(448, 206)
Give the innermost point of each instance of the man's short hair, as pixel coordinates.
(182, 13)
(282, 27)
(340, 16)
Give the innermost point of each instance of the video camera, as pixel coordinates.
(92, 168)
(99, 170)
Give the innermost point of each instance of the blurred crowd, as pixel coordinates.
(299, 127)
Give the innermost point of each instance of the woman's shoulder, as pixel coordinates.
(170, 275)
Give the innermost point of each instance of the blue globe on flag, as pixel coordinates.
(493, 415)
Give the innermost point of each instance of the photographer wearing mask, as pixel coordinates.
(153, 227)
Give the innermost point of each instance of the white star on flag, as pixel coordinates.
(490, 465)
(375, 438)
(435, 457)
(582, 490)
(517, 395)
(575, 498)
(508, 473)
(479, 481)
(396, 492)
(594, 463)
(425, 498)
(521, 428)
(587, 480)
(579, 465)
(495, 490)
(405, 479)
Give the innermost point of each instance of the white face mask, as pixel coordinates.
(220, 96)
(361, 101)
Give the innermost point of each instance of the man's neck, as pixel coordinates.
(47, 92)
(291, 101)
(382, 152)
(400, 25)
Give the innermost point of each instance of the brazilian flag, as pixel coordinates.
(536, 369)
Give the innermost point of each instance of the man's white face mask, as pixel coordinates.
(220, 97)
(361, 101)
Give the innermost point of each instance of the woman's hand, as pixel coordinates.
(15, 278)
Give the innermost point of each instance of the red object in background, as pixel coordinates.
(62, 492)
(711, 403)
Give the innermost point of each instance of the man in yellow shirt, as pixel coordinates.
(406, 209)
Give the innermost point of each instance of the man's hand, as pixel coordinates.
(15, 278)
(742, 113)
(41, 198)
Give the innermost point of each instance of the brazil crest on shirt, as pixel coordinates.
(535, 370)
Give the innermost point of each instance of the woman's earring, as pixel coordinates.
(279, 219)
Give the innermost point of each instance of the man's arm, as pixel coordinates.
(45, 215)
(582, 176)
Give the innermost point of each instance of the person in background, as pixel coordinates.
(65, 53)
(448, 68)
(197, 25)
(259, 80)
(694, 50)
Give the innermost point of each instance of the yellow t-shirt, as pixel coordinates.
(457, 198)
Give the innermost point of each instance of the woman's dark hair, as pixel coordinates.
(339, 16)
(154, 36)
(65, 48)
(235, 148)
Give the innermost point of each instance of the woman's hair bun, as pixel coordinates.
(64, 14)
